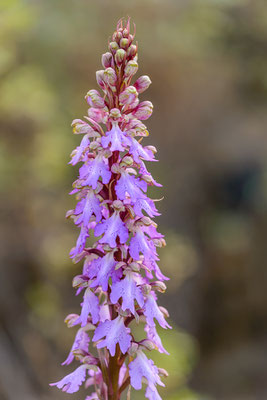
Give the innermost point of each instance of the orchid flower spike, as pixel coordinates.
(120, 275)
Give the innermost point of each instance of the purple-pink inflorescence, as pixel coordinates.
(120, 274)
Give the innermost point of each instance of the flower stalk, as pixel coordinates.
(120, 277)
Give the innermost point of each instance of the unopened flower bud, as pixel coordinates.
(94, 145)
(134, 104)
(164, 311)
(131, 171)
(107, 248)
(118, 205)
(131, 68)
(159, 286)
(120, 56)
(94, 99)
(148, 221)
(128, 96)
(132, 51)
(146, 289)
(159, 242)
(142, 83)
(152, 148)
(116, 37)
(141, 130)
(97, 114)
(107, 153)
(113, 47)
(147, 178)
(110, 76)
(81, 127)
(125, 32)
(163, 372)
(147, 344)
(163, 241)
(116, 169)
(79, 281)
(127, 161)
(124, 43)
(120, 265)
(89, 327)
(89, 359)
(71, 319)
(134, 266)
(133, 349)
(79, 353)
(69, 213)
(99, 187)
(106, 60)
(115, 113)
(100, 78)
(144, 110)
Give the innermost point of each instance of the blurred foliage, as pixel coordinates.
(207, 60)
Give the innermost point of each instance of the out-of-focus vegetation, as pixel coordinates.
(207, 60)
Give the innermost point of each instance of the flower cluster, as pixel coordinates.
(120, 277)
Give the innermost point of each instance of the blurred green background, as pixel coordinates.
(208, 63)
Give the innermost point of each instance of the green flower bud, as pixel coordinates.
(124, 43)
(113, 47)
(131, 68)
(120, 56)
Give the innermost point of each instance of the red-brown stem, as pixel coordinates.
(114, 370)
